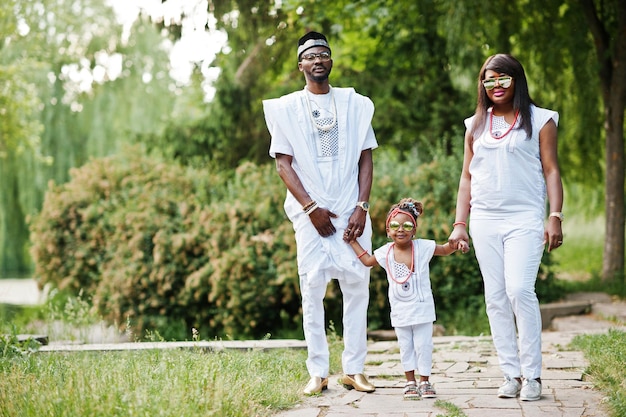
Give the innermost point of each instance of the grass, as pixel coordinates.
(606, 353)
(580, 257)
(151, 383)
(451, 409)
(184, 383)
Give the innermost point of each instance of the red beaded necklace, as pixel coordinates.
(390, 270)
(498, 137)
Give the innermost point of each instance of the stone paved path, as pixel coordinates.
(466, 374)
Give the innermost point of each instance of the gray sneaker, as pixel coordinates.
(510, 389)
(531, 390)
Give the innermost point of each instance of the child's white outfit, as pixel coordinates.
(412, 304)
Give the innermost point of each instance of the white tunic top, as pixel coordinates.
(507, 174)
(330, 178)
(411, 302)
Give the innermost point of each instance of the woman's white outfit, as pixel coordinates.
(412, 304)
(508, 203)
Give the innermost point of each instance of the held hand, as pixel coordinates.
(459, 239)
(463, 246)
(321, 220)
(356, 225)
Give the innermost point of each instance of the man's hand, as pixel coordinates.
(356, 225)
(320, 217)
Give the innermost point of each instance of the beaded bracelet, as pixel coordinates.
(361, 255)
(458, 223)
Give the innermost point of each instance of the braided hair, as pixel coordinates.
(413, 207)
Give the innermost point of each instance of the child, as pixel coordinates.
(412, 305)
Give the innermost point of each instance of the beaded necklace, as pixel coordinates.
(325, 128)
(500, 136)
(390, 270)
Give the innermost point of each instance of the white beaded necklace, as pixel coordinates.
(325, 128)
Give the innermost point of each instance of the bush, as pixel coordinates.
(165, 247)
(138, 237)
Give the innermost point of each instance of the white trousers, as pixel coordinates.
(416, 347)
(355, 302)
(509, 253)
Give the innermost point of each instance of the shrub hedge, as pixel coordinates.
(168, 248)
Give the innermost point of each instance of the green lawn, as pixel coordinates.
(580, 257)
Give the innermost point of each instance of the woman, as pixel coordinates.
(510, 163)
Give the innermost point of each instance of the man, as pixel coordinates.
(322, 140)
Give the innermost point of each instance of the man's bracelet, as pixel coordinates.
(311, 209)
(308, 205)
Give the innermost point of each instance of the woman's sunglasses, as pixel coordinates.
(406, 226)
(504, 82)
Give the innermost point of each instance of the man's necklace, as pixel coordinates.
(324, 128)
(390, 270)
(497, 134)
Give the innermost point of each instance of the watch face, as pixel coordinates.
(365, 205)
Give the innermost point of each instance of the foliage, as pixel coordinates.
(171, 247)
(72, 86)
(156, 243)
(140, 383)
(606, 353)
(11, 346)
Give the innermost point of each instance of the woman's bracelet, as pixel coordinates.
(455, 224)
(361, 255)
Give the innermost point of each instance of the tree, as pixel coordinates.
(575, 52)
(607, 24)
(62, 101)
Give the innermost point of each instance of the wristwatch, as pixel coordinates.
(364, 205)
(557, 214)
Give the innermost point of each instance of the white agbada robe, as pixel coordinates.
(331, 182)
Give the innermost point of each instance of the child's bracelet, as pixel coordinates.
(458, 223)
(361, 255)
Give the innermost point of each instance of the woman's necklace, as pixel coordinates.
(390, 270)
(324, 128)
(499, 135)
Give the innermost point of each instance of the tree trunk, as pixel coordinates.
(615, 104)
(611, 53)
(613, 260)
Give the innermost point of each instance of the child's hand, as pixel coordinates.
(463, 246)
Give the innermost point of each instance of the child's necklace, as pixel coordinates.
(497, 134)
(390, 270)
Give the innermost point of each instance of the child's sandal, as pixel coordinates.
(426, 390)
(411, 392)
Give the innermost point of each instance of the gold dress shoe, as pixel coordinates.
(359, 382)
(316, 385)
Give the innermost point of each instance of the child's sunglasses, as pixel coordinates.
(406, 226)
